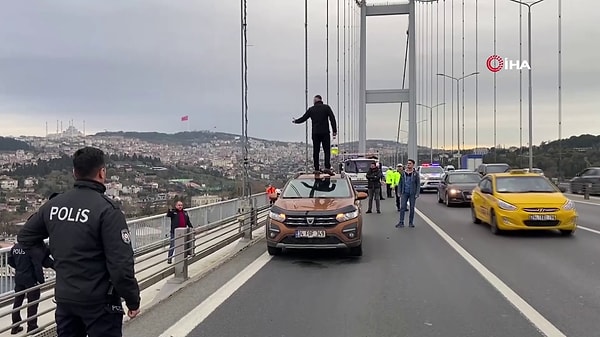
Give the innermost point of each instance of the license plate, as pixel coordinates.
(310, 233)
(542, 217)
(468, 197)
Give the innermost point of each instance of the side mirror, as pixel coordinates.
(361, 196)
(562, 189)
(486, 191)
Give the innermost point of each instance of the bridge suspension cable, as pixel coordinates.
(327, 52)
(306, 79)
(437, 71)
(477, 70)
(462, 98)
(444, 82)
(246, 188)
(401, 103)
(453, 75)
(345, 96)
(337, 40)
(495, 96)
(520, 87)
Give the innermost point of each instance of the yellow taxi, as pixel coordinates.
(517, 200)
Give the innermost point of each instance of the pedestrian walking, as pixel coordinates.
(409, 187)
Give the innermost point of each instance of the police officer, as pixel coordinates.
(91, 247)
(28, 273)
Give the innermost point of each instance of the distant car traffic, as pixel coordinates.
(518, 200)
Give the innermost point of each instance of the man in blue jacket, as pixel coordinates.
(409, 189)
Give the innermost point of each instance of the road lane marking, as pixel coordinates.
(539, 321)
(197, 315)
(588, 229)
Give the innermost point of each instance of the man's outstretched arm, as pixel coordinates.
(302, 119)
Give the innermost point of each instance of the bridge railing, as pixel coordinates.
(217, 225)
(147, 233)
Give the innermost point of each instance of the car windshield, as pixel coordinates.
(432, 169)
(317, 188)
(467, 178)
(497, 168)
(358, 166)
(524, 185)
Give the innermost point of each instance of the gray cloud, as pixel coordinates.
(141, 65)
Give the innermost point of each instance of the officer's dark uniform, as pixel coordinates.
(28, 273)
(91, 246)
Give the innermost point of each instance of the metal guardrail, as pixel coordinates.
(146, 233)
(210, 234)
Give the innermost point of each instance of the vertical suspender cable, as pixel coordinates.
(427, 74)
(345, 97)
(477, 77)
(337, 40)
(444, 82)
(495, 97)
(246, 191)
(452, 72)
(306, 77)
(401, 104)
(462, 98)
(243, 87)
(431, 74)
(521, 86)
(327, 52)
(437, 71)
(559, 89)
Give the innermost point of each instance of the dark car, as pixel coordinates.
(456, 187)
(588, 178)
(485, 169)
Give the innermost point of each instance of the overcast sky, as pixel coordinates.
(142, 64)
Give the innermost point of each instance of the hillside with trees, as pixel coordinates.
(11, 144)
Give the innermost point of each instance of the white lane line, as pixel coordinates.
(539, 321)
(588, 229)
(197, 315)
(586, 202)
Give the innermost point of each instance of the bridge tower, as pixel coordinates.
(388, 95)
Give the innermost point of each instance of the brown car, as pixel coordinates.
(316, 212)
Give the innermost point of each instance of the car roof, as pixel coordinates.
(515, 174)
(455, 172)
(312, 176)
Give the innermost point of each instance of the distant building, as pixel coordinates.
(201, 200)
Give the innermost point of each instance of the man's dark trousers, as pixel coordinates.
(325, 140)
(79, 320)
(32, 296)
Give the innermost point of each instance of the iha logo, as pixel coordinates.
(496, 63)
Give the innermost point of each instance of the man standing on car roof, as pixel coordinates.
(91, 246)
(320, 115)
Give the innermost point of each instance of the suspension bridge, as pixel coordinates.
(447, 276)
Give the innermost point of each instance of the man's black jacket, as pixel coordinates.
(320, 115)
(90, 243)
(174, 215)
(374, 178)
(28, 264)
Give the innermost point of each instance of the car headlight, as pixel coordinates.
(506, 206)
(347, 216)
(454, 191)
(277, 216)
(569, 205)
(422, 177)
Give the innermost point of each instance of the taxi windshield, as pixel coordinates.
(524, 185)
(358, 166)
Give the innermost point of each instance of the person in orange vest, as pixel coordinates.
(271, 193)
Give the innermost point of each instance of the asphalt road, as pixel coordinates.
(410, 282)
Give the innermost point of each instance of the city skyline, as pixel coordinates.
(79, 69)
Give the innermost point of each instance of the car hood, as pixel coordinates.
(314, 204)
(539, 199)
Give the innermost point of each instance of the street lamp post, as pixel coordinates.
(529, 5)
(458, 104)
(430, 127)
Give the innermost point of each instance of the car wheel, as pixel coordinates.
(474, 215)
(566, 232)
(447, 200)
(356, 251)
(274, 251)
(440, 200)
(494, 225)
